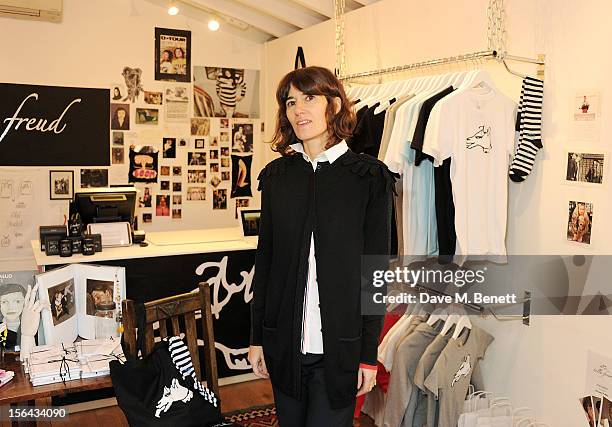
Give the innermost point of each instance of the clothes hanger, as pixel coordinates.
(437, 315)
(463, 323)
(451, 321)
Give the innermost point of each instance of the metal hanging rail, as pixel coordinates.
(487, 54)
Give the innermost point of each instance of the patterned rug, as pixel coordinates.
(256, 416)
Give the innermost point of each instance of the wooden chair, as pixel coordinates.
(171, 308)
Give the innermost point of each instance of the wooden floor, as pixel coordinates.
(233, 397)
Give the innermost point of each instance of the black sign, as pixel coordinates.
(53, 126)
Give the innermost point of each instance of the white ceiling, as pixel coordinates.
(261, 20)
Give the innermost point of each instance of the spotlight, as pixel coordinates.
(213, 25)
(173, 10)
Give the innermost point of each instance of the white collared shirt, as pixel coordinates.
(312, 338)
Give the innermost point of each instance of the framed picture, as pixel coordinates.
(172, 55)
(61, 185)
(585, 167)
(250, 221)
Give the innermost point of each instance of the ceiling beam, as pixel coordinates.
(285, 11)
(322, 7)
(265, 23)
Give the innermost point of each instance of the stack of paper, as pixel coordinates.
(5, 376)
(53, 363)
(64, 362)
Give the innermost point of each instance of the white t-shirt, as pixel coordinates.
(475, 128)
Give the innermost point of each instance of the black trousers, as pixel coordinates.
(313, 410)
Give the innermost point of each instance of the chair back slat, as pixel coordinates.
(192, 340)
(176, 331)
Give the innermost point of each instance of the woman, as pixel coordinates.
(308, 331)
(165, 63)
(116, 94)
(179, 61)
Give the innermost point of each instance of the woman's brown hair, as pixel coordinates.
(313, 81)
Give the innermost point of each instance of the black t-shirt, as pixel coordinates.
(445, 207)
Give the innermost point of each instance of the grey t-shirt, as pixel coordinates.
(400, 400)
(450, 377)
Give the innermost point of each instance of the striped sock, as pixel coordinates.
(529, 121)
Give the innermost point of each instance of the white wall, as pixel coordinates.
(543, 365)
(95, 40)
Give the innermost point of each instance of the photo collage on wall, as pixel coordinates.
(186, 140)
(585, 165)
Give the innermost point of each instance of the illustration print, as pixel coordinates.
(463, 371)
(482, 139)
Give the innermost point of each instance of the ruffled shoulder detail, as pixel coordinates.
(275, 167)
(362, 164)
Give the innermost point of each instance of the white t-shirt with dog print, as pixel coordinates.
(475, 128)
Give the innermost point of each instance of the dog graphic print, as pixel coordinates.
(482, 139)
(463, 371)
(174, 393)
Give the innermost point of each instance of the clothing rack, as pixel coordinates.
(487, 54)
(488, 309)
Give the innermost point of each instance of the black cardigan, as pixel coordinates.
(348, 205)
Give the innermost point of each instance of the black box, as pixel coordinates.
(52, 246)
(97, 238)
(58, 232)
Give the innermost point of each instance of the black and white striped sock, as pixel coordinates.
(182, 361)
(530, 129)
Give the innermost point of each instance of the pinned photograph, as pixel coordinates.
(164, 170)
(172, 55)
(220, 199)
(164, 186)
(145, 200)
(169, 148)
(147, 218)
(61, 185)
(196, 159)
(143, 164)
(196, 176)
(214, 142)
(200, 127)
(118, 156)
(215, 181)
(154, 98)
(241, 176)
(241, 203)
(224, 137)
(118, 92)
(61, 298)
(177, 213)
(225, 92)
(242, 138)
(133, 82)
(94, 178)
(162, 205)
(214, 167)
(176, 187)
(147, 116)
(586, 106)
(177, 199)
(225, 176)
(225, 162)
(177, 171)
(177, 93)
(580, 222)
(183, 142)
(585, 167)
(214, 155)
(120, 116)
(224, 123)
(225, 152)
(199, 143)
(196, 193)
(118, 138)
(100, 297)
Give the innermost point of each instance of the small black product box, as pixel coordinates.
(58, 232)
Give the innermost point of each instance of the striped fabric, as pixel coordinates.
(227, 89)
(529, 127)
(182, 361)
